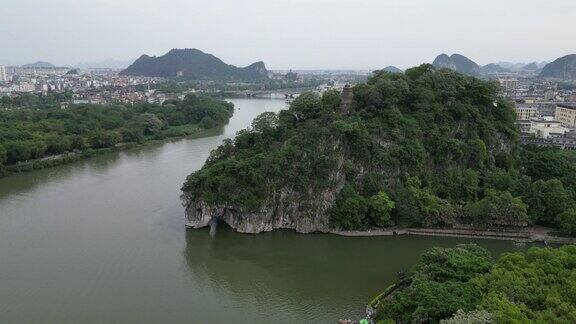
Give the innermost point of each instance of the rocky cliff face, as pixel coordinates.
(563, 68)
(458, 63)
(282, 210)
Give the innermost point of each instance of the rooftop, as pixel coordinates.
(568, 106)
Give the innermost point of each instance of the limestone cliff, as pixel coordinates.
(282, 209)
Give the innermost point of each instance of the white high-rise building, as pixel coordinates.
(3, 75)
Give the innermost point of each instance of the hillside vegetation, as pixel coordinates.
(427, 148)
(464, 285)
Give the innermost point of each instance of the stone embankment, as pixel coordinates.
(531, 234)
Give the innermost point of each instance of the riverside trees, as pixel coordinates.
(537, 286)
(36, 132)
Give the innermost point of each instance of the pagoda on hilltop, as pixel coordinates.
(347, 98)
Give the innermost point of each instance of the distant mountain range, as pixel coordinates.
(39, 64)
(493, 68)
(507, 67)
(518, 67)
(562, 68)
(531, 67)
(465, 65)
(193, 64)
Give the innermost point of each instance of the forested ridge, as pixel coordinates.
(465, 285)
(45, 129)
(427, 148)
(193, 64)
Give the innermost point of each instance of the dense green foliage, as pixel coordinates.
(441, 146)
(539, 286)
(51, 99)
(34, 133)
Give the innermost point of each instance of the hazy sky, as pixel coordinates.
(300, 34)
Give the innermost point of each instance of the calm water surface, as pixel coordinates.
(103, 240)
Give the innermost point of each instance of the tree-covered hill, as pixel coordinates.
(46, 130)
(428, 148)
(193, 64)
(464, 285)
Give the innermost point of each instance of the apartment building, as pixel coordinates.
(566, 114)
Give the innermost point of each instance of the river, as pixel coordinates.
(103, 241)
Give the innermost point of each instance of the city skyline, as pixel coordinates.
(318, 34)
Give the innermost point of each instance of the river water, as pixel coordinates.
(103, 241)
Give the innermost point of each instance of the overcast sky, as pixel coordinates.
(299, 34)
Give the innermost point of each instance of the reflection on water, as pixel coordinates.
(24, 182)
(304, 278)
(103, 240)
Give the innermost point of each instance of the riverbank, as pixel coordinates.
(169, 134)
(528, 235)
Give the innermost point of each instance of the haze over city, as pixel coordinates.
(300, 34)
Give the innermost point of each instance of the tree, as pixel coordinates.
(458, 185)
(350, 210)
(208, 122)
(546, 163)
(18, 151)
(434, 210)
(478, 153)
(3, 157)
(547, 199)
(265, 123)
(152, 124)
(471, 317)
(132, 134)
(306, 106)
(567, 222)
(380, 206)
(538, 286)
(409, 154)
(505, 311)
(57, 144)
(77, 142)
(498, 208)
(104, 139)
(330, 100)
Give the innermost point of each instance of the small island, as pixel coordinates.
(429, 148)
